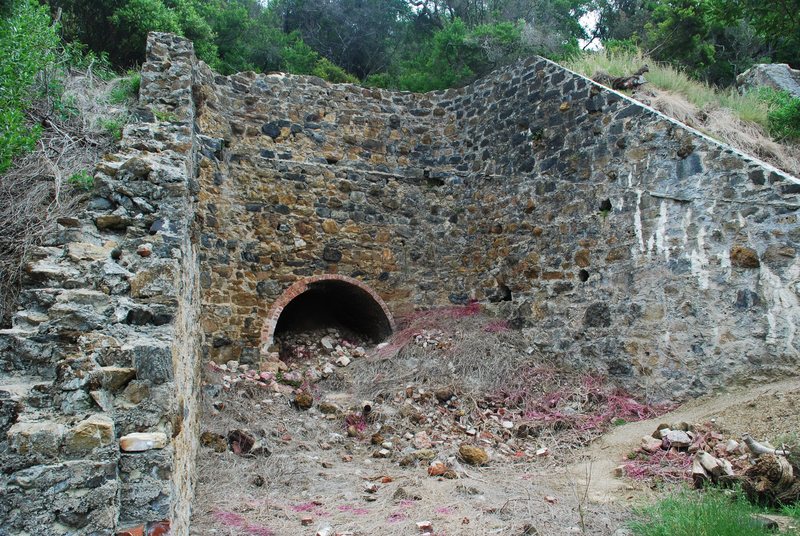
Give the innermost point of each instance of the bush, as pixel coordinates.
(299, 58)
(784, 113)
(714, 512)
(331, 72)
(28, 42)
(113, 127)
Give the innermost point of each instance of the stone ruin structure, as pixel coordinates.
(613, 237)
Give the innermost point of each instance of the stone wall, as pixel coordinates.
(98, 374)
(610, 236)
(613, 237)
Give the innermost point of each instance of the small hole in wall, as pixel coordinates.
(331, 160)
(505, 293)
(605, 206)
(583, 275)
(500, 294)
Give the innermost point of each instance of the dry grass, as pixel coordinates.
(676, 107)
(36, 191)
(751, 138)
(667, 78)
(735, 119)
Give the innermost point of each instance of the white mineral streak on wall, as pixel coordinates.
(687, 222)
(783, 308)
(699, 260)
(661, 232)
(637, 221)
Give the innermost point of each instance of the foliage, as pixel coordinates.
(82, 180)
(27, 51)
(791, 511)
(126, 88)
(120, 28)
(712, 40)
(714, 512)
(139, 17)
(455, 54)
(113, 126)
(777, 22)
(784, 113)
(433, 44)
(361, 37)
(443, 63)
(299, 58)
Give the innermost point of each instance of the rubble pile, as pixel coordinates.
(308, 357)
(701, 454)
(437, 428)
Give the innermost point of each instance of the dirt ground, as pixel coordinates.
(318, 475)
(302, 479)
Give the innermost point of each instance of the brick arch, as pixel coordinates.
(298, 288)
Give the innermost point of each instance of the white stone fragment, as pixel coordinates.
(140, 442)
(679, 438)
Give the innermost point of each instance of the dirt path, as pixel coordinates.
(765, 411)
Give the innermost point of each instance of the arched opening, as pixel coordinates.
(328, 302)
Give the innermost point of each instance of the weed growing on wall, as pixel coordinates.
(82, 180)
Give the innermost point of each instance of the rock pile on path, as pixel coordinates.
(704, 455)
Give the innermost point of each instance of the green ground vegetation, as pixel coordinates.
(712, 512)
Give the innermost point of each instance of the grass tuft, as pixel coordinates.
(126, 89)
(714, 512)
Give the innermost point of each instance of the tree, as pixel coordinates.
(776, 22)
(622, 20)
(28, 41)
(120, 27)
(360, 36)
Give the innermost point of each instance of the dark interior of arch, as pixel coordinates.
(335, 304)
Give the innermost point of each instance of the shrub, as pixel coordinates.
(331, 72)
(113, 127)
(28, 43)
(299, 58)
(784, 113)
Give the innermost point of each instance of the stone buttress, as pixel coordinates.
(104, 348)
